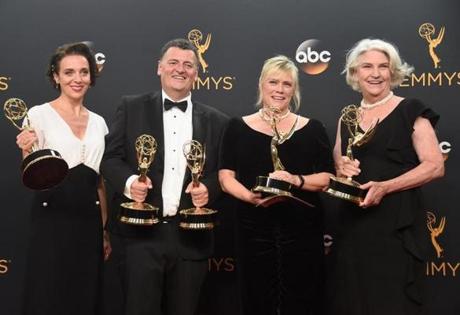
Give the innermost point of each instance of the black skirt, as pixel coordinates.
(64, 263)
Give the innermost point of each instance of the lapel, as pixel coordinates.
(199, 125)
(154, 125)
(199, 122)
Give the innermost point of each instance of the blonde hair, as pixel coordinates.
(280, 63)
(398, 68)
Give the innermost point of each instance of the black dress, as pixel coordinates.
(280, 248)
(381, 249)
(64, 262)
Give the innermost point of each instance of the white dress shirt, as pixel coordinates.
(177, 129)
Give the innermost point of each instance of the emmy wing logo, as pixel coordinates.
(196, 37)
(427, 31)
(435, 231)
(208, 80)
(434, 78)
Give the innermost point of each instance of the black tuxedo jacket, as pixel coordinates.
(143, 114)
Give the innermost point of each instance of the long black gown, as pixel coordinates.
(381, 249)
(65, 256)
(280, 248)
(64, 261)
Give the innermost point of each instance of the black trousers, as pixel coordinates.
(156, 279)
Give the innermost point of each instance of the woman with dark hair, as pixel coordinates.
(67, 244)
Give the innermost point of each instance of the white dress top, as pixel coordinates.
(54, 133)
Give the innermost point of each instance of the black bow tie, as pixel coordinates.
(168, 104)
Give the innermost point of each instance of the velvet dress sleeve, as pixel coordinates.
(228, 154)
(324, 162)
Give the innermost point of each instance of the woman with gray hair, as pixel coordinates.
(279, 247)
(382, 242)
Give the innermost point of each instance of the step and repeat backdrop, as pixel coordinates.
(233, 38)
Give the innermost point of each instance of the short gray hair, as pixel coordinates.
(398, 68)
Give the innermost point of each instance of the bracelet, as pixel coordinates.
(302, 181)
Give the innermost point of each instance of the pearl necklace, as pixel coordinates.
(268, 119)
(365, 105)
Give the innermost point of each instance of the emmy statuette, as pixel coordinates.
(197, 218)
(141, 213)
(195, 36)
(264, 184)
(347, 188)
(43, 168)
(426, 31)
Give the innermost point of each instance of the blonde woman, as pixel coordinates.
(280, 247)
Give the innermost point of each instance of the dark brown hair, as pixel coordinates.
(179, 43)
(80, 49)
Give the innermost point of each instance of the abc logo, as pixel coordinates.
(312, 58)
(328, 241)
(100, 60)
(445, 148)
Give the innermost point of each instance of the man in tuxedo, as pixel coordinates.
(164, 265)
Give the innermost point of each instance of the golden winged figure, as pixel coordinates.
(435, 231)
(426, 30)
